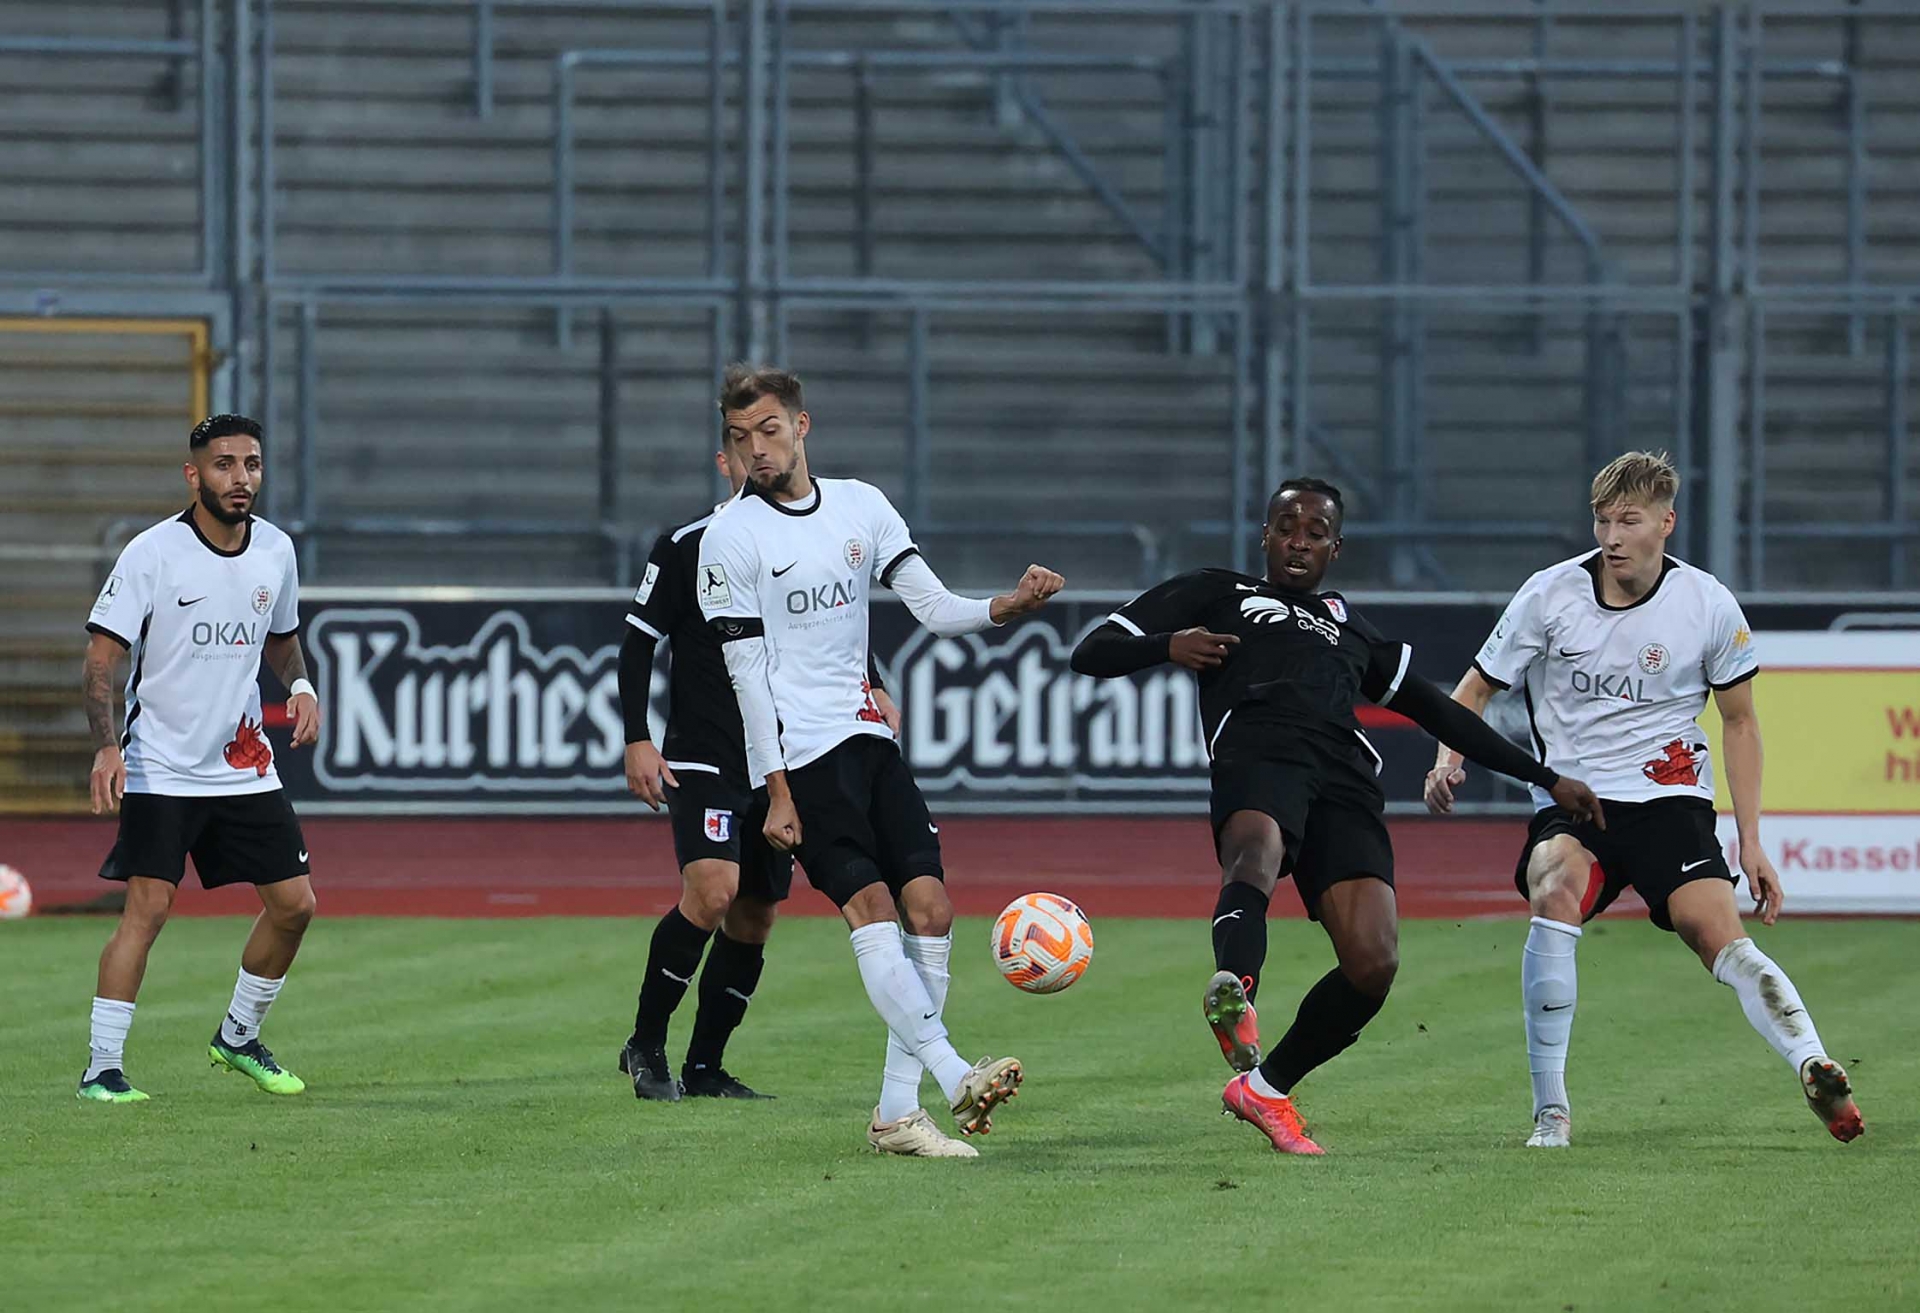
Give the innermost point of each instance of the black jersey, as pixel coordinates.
(1302, 660)
(703, 718)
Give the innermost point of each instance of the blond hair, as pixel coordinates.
(1646, 477)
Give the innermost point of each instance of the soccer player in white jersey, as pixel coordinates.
(786, 569)
(198, 601)
(1615, 652)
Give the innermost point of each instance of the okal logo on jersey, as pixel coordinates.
(1617, 688)
(822, 597)
(497, 712)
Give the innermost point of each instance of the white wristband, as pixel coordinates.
(300, 686)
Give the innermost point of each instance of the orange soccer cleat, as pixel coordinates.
(1276, 1119)
(1830, 1095)
(1230, 1012)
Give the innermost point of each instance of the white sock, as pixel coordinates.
(1262, 1086)
(111, 1021)
(900, 1083)
(1770, 1001)
(1549, 987)
(252, 996)
(898, 995)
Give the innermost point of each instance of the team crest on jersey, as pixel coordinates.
(647, 581)
(1654, 658)
(719, 825)
(1336, 608)
(856, 553)
(262, 600)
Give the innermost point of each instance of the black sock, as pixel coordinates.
(1330, 1019)
(726, 987)
(671, 962)
(1240, 932)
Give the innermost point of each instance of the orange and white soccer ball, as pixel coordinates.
(16, 897)
(1042, 943)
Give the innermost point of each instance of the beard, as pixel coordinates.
(218, 509)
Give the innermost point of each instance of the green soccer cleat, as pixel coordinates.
(110, 1086)
(252, 1059)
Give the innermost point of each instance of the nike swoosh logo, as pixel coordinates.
(303, 854)
(685, 980)
(1229, 916)
(1574, 656)
(932, 828)
(783, 569)
(1555, 1007)
(190, 602)
(1688, 866)
(928, 1016)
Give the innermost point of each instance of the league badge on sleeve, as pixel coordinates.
(719, 825)
(713, 587)
(647, 581)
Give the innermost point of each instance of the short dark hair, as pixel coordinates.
(222, 426)
(744, 384)
(1320, 486)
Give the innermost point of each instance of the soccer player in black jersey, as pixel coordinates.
(1279, 666)
(732, 879)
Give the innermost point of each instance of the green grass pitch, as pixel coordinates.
(467, 1144)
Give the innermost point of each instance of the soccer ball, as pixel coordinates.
(1042, 943)
(16, 899)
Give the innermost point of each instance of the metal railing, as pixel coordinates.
(1230, 247)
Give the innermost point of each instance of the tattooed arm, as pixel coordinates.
(100, 692)
(289, 664)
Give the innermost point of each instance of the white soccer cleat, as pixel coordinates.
(990, 1083)
(1830, 1095)
(915, 1136)
(1552, 1129)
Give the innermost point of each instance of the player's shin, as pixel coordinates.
(252, 996)
(900, 1082)
(1549, 990)
(112, 1019)
(1771, 1003)
(1240, 932)
(727, 983)
(900, 997)
(1330, 1019)
(672, 958)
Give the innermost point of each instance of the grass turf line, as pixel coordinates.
(466, 1143)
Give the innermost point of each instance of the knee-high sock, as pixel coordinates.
(901, 999)
(900, 1084)
(1240, 932)
(1330, 1019)
(1770, 1001)
(112, 1019)
(727, 983)
(252, 996)
(1549, 990)
(672, 958)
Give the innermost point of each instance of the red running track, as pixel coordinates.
(595, 866)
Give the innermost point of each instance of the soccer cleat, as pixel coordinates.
(1552, 1128)
(1230, 1012)
(253, 1060)
(1274, 1118)
(1830, 1095)
(110, 1086)
(915, 1136)
(987, 1085)
(715, 1083)
(651, 1079)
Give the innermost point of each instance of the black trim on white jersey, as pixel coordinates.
(731, 628)
(1735, 682)
(886, 575)
(1500, 684)
(289, 634)
(767, 497)
(133, 686)
(1533, 725)
(246, 539)
(93, 628)
(1592, 566)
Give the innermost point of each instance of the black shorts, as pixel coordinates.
(246, 838)
(720, 820)
(1325, 800)
(863, 821)
(1654, 847)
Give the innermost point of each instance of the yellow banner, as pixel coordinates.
(1837, 740)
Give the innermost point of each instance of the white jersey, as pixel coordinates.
(805, 574)
(193, 618)
(1613, 694)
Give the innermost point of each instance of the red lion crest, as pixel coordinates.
(248, 750)
(1677, 766)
